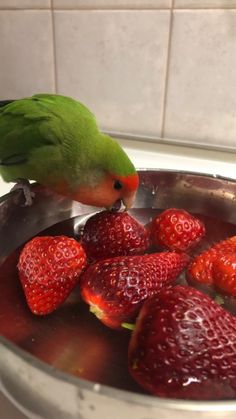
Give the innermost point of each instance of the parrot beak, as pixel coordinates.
(117, 206)
(128, 201)
(123, 204)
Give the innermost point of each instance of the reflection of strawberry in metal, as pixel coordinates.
(184, 346)
(201, 268)
(176, 229)
(115, 288)
(16, 321)
(224, 273)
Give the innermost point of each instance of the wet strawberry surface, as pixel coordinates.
(71, 338)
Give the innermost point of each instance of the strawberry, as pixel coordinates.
(200, 270)
(224, 273)
(49, 268)
(176, 229)
(115, 288)
(184, 346)
(107, 234)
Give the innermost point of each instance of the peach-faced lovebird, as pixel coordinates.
(55, 140)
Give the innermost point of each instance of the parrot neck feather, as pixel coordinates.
(116, 160)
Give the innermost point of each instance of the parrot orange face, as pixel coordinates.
(105, 194)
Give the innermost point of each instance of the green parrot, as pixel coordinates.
(55, 141)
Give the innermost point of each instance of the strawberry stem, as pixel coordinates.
(129, 326)
(97, 311)
(219, 299)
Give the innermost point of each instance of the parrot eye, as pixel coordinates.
(117, 185)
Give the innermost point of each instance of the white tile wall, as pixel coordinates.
(26, 53)
(115, 62)
(112, 4)
(25, 4)
(148, 67)
(201, 100)
(204, 4)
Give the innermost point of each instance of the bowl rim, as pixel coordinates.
(113, 392)
(13, 193)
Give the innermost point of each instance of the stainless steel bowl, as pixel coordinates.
(68, 365)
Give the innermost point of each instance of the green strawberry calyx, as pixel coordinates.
(129, 326)
(96, 310)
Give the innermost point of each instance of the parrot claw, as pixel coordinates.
(24, 186)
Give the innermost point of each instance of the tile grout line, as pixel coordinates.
(23, 9)
(54, 48)
(205, 8)
(73, 9)
(167, 72)
(87, 9)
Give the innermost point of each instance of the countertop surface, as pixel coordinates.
(161, 156)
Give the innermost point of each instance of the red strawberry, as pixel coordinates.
(108, 234)
(200, 269)
(49, 268)
(224, 273)
(115, 288)
(176, 229)
(184, 346)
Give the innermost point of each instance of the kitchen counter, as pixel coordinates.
(162, 156)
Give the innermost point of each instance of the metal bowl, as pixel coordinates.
(68, 365)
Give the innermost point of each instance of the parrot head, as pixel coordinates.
(109, 181)
(110, 192)
(117, 180)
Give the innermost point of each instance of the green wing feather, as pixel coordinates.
(40, 134)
